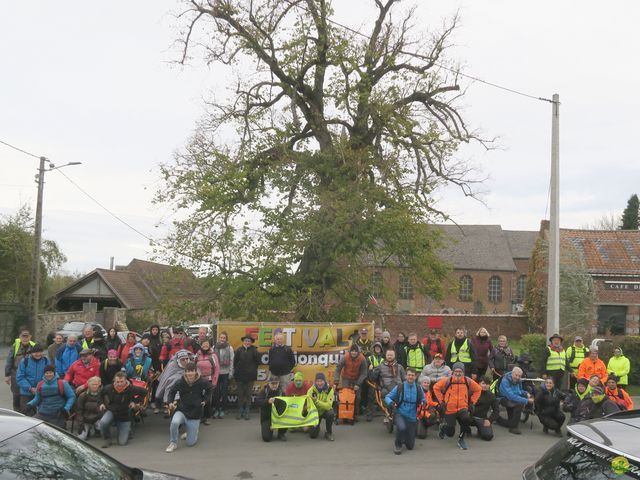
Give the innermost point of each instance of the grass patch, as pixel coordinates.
(633, 390)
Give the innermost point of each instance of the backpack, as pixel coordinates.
(400, 394)
(60, 387)
(469, 392)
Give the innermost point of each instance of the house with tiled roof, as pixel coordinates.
(139, 285)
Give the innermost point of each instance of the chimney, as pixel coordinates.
(111, 263)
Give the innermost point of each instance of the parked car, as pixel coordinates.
(75, 328)
(192, 330)
(33, 449)
(598, 449)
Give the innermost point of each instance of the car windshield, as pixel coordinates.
(573, 459)
(45, 452)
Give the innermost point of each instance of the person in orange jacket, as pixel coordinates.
(457, 395)
(592, 365)
(618, 395)
(427, 413)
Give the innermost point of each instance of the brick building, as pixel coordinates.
(612, 258)
(488, 276)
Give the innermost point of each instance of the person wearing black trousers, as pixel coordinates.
(547, 407)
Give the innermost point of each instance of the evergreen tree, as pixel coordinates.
(630, 214)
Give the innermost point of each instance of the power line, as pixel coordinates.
(107, 210)
(21, 150)
(444, 67)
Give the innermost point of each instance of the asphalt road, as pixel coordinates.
(230, 448)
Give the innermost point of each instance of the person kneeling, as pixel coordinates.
(117, 405)
(194, 392)
(405, 399)
(322, 395)
(486, 410)
(266, 399)
(427, 414)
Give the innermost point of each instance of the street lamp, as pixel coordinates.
(34, 294)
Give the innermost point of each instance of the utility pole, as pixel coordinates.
(553, 286)
(34, 293)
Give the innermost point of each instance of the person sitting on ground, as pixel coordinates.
(596, 405)
(323, 396)
(427, 413)
(457, 395)
(547, 407)
(501, 357)
(67, 355)
(30, 373)
(572, 401)
(592, 365)
(486, 410)
(110, 367)
(405, 400)
(437, 369)
(88, 407)
(53, 398)
(265, 399)
(620, 366)
(618, 395)
(117, 406)
(138, 364)
(299, 387)
(83, 369)
(514, 399)
(352, 371)
(209, 368)
(194, 392)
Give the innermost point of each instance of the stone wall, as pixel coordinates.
(513, 326)
(50, 322)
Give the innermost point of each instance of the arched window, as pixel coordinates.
(466, 288)
(495, 289)
(521, 289)
(376, 284)
(405, 288)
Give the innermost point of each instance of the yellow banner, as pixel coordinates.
(318, 347)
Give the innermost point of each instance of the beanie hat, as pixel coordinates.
(50, 368)
(182, 354)
(597, 390)
(112, 353)
(320, 376)
(274, 378)
(458, 365)
(298, 376)
(354, 348)
(583, 381)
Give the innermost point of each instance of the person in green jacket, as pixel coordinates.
(322, 395)
(620, 366)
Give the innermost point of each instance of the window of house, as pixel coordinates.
(376, 285)
(495, 289)
(466, 288)
(521, 288)
(405, 291)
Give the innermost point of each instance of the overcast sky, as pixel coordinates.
(94, 83)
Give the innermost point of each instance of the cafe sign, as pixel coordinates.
(626, 286)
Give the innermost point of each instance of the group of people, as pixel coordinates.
(102, 382)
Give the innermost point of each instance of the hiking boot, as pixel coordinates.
(397, 449)
(515, 431)
(156, 410)
(462, 445)
(329, 436)
(207, 421)
(106, 444)
(183, 436)
(171, 448)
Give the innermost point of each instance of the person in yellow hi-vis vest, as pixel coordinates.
(554, 361)
(19, 350)
(266, 399)
(461, 350)
(322, 395)
(576, 353)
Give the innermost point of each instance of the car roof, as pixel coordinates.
(617, 433)
(13, 424)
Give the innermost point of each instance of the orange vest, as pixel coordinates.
(351, 370)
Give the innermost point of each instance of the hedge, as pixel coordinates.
(631, 349)
(534, 343)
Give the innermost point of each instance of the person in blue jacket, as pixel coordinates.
(67, 355)
(405, 399)
(30, 372)
(53, 399)
(513, 398)
(139, 363)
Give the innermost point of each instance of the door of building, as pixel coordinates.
(612, 319)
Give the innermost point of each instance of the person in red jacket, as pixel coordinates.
(82, 370)
(433, 344)
(618, 395)
(299, 387)
(127, 347)
(177, 343)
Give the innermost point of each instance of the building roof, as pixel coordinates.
(521, 242)
(141, 284)
(479, 247)
(606, 251)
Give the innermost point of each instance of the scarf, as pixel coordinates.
(556, 349)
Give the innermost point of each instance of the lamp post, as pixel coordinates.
(34, 293)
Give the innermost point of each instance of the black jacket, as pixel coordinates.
(487, 406)
(107, 371)
(118, 403)
(265, 407)
(588, 409)
(245, 364)
(191, 396)
(547, 403)
(572, 404)
(155, 346)
(281, 360)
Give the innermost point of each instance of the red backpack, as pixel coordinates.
(60, 387)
